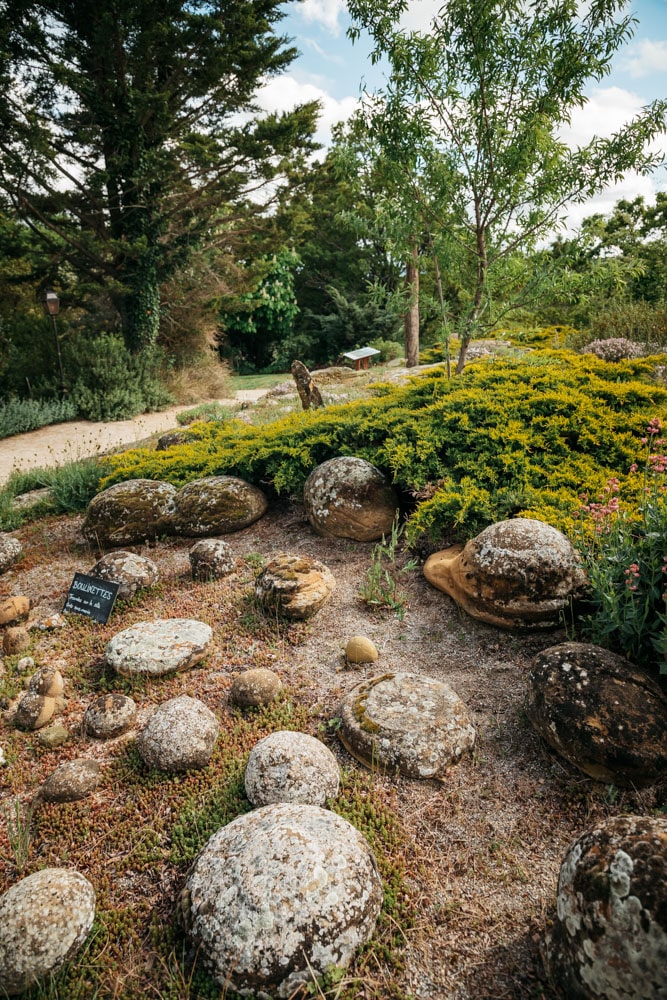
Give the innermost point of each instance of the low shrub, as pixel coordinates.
(205, 411)
(72, 487)
(17, 416)
(641, 322)
(613, 349)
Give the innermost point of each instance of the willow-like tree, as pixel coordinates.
(128, 131)
(485, 95)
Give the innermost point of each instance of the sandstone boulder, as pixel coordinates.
(14, 609)
(291, 767)
(211, 559)
(348, 497)
(130, 512)
(281, 895)
(158, 647)
(34, 711)
(216, 505)
(406, 722)
(129, 570)
(47, 681)
(604, 715)
(609, 941)
(109, 715)
(253, 688)
(15, 640)
(53, 737)
(359, 649)
(179, 736)
(71, 781)
(519, 573)
(294, 586)
(11, 551)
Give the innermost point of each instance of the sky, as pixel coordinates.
(331, 69)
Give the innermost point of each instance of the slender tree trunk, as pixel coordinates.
(441, 299)
(411, 320)
(482, 269)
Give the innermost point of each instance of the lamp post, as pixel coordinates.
(52, 307)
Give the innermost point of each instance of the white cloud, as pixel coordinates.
(325, 12)
(644, 58)
(284, 92)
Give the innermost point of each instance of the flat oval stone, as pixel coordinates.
(291, 767)
(179, 736)
(109, 715)
(53, 736)
(130, 512)
(294, 586)
(217, 505)
(406, 722)
(211, 559)
(130, 571)
(280, 895)
(158, 647)
(348, 497)
(44, 920)
(255, 687)
(71, 781)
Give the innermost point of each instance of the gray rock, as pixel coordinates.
(279, 895)
(291, 767)
(294, 586)
(34, 498)
(211, 559)
(44, 920)
(53, 737)
(71, 781)
(130, 512)
(216, 505)
(131, 571)
(179, 736)
(255, 687)
(24, 664)
(109, 715)
(159, 647)
(349, 498)
(609, 940)
(11, 551)
(406, 722)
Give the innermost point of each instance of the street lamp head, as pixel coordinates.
(51, 302)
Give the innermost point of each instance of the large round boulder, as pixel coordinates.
(130, 512)
(348, 497)
(609, 940)
(130, 571)
(519, 573)
(216, 505)
(599, 712)
(291, 767)
(44, 920)
(281, 895)
(179, 736)
(159, 647)
(11, 551)
(406, 722)
(294, 586)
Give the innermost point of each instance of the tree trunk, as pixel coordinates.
(411, 320)
(482, 268)
(138, 306)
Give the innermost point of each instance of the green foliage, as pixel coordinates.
(19, 818)
(72, 485)
(642, 322)
(110, 383)
(20, 415)
(205, 411)
(381, 589)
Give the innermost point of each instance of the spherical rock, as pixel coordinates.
(348, 497)
(71, 781)
(158, 647)
(291, 767)
(15, 640)
(217, 505)
(34, 711)
(211, 559)
(519, 573)
(109, 715)
(44, 920)
(253, 688)
(47, 681)
(130, 512)
(294, 586)
(53, 737)
(406, 722)
(11, 551)
(609, 941)
(179, 736)
(24, 664)
(359, 649)
(131, 571)
(14, 609)
(599, 712)
(280, 895)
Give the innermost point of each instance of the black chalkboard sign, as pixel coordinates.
(92, 597)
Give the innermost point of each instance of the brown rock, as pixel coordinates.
(171, 439)
(14, 609)
(216, 505)
(15, 640)
(359, 649)
(34, 711)
(348, 497)
(109, 715)
(52, 737)
(211, 559)
(255, 687)
(48, 682)
(130, 512)
(294, 586)
(71, 781)
(309, 394)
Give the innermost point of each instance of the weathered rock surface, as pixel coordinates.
(53, 736)
(609, 941)
(11, 551)
(211, 559)
(255, 687)
(71, 781)
(159, 647)
(171, 439)
(15, 640)
(291, 767)
(601, 713)
(131, 571)
(279, 892)
(359, 649)
(47, 681)
(519, 573)
(217, 505)
(294, 586)
(14, 609)
(109, 715)
(34, 711)
(348, 497)
(44, 920)
(406, 722)
(179, 736)
(130, 512)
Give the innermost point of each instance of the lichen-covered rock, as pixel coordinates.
(609, 941)
(604, 715)
(15, 640)
(158, 647)
(109, 715)
(34, 711)
(359, 649)
(179, 736)
(71, 781)
(171, 439)
(211, 559)
(349, 498)
(294, 586)
(11, 551)
(129, 570)
(406, 722)
(217, 505)
(47, 681)
(256, 687)
(519, 573)
(14, 609)
(291, 767)
(44, 920)
(130, 512)
(53, 737)
(280, 895)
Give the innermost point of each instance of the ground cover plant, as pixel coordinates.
(17, 416)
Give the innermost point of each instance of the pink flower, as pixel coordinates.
(654, 426)
(633, 467)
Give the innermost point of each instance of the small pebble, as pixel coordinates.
(359, 649)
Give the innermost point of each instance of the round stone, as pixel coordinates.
(44, 920)
(359, 649)
(15, 640)
(109, 715)
(47, 681)
(129, 570)
(348, 497)
(294, 586)
(11, 551)
(280, 895)
(291, 767)
(610, 937)
(14, 609)
(158, 647)
(599, 712)
(179, 736)
(211, 559)
(71, 781)
(217, 505)
(253, 688)
(34, 711)
(405, 722)
(129, 513)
